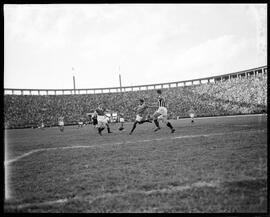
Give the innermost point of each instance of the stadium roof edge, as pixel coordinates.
(145, 85)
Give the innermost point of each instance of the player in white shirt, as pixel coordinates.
(42, 125)
(80, 123)
(191, 114)
(61, 123)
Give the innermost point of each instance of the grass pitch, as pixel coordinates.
(213, 165)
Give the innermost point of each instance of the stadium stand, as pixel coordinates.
(241, 95)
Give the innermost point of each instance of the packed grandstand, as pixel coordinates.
(237, 95)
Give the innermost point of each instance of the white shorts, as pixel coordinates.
(163, 114)
(80, 123)
(61, 123)
(122, 120)
(139, 118)
(163, 118)
(162, 111)
(102, 120)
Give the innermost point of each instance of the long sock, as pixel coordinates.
(156, 122)
(134, 126)
(169, 125)
(101, 128)
(108, 128)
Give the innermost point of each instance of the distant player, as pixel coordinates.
(61, 123)
(80, 123)
(140, 115)
(191, 113)
(94, 119)
(102, 120)
(161, 113)
(122, 121)
(42, 125)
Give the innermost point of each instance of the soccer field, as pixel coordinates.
(214, 165)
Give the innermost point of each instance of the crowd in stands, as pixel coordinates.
(235, 96)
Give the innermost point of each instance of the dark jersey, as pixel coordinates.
(100, 111)
(161, 102)
(141, 109)
(94, 118)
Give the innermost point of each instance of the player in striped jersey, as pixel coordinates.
(161, 113)
(140, 115)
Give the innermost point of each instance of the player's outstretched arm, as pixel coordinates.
(152, 106)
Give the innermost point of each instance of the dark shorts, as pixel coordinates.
(95, 121)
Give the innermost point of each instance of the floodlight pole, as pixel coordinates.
(120, 82)
(74, 87)
(120, 79)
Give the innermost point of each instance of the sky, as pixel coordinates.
(46, 45)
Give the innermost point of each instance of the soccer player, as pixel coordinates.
(191, 113)
(122, 121)
(42, 125)
(94, 119)
(102, 120)
(61, 123)
(140, 115)
(80, 123)
(161, 113)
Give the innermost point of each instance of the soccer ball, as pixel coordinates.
(121, 128)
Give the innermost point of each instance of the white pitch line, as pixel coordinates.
(7, 162)
(168, 190)
(22, 156)
(110, 195)
(46, 203)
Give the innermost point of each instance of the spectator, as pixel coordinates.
(235, 96)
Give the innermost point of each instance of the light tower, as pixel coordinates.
(120, 83)
(74, 86)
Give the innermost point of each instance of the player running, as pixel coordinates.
(161, 113)
(102, 120)
(140, 115)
